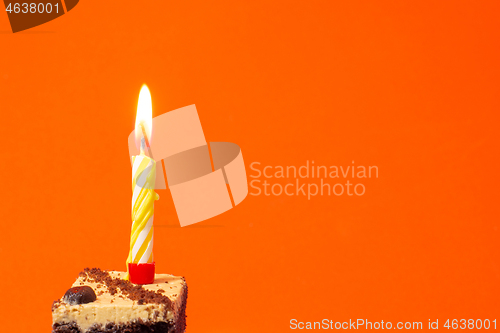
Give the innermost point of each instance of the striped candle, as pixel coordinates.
(144, 196)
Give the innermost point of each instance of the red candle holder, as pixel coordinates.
(142, 273)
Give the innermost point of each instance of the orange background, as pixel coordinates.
(412, 88)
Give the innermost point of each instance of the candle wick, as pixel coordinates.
(145, 141)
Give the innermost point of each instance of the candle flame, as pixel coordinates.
(144, 117)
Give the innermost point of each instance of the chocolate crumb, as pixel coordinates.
(156, 314)
(131, 291)
(56, 304)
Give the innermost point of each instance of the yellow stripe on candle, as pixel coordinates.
(144, 247)
(137, 230)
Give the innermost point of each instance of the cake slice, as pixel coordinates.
(101, 301)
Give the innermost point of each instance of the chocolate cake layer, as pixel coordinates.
(120, 306)
(160, 327)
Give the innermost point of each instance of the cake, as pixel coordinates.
(102, 301)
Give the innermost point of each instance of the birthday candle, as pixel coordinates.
(143, 184)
